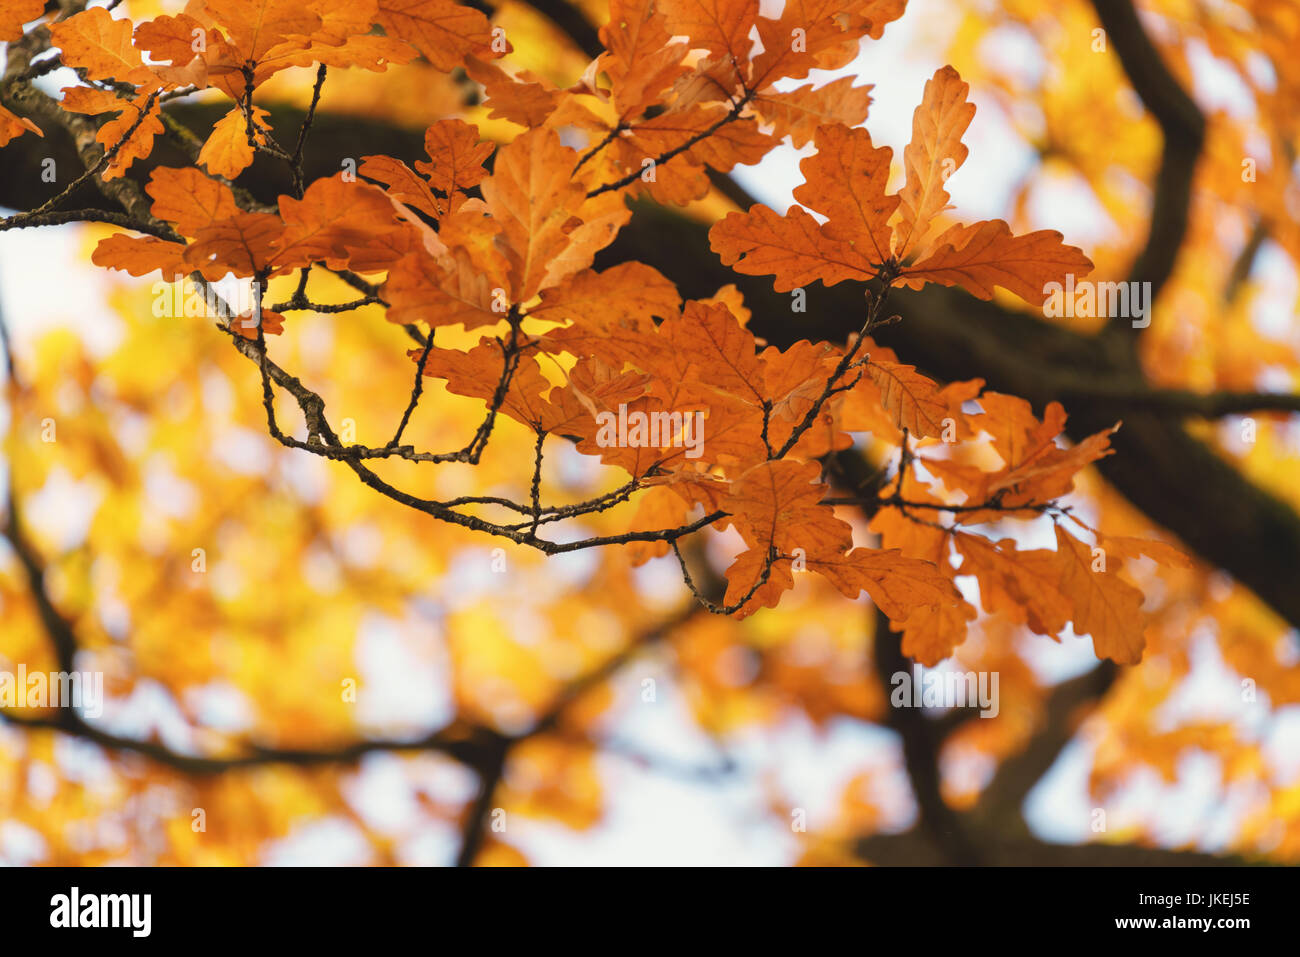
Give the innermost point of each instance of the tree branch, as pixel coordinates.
(1183, 127)
(1000, 804)
(919, 736)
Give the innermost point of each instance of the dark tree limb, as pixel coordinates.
(1000, 804)
(920, 744)
(1183, 127)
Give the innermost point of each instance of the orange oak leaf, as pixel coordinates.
(725, 350)
(334, 221)
(12, 126)
(1129, 547)
(793, 380)
(256, 27)
(935, 153)
(242, 244)
(473, 239)
(478, 373)
(592, 388)
(931, 634)
(1104, 605)
(1050, 475)
(1037, 470)
(898, 585)
(1024, 586)
(828, 30)
(84, 99)
(189, 199)
(442, 292)
(793, 248)
(99, 44)
(657, 508)
(141, 255)
(916, 539)
(630, 293)
(524, 99)
(787, 522)
(227, 151)
(247, 324)
(175, 40)
(596, 226)
(845, 181)
(731, 297)
(719, 26)
(533, 196)
(913, 401)
(799, 112)
(444, 31)
(172, 38)
(362, 51)
(1017, 434)
(774, 494)
(713, 79)
(455, 156)
(15, 14)
(728, 144)
(983, 255)
(746, 572)
(403, 183)
(656, 437)
(641, 62)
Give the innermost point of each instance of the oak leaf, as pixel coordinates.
(533, 196)
(914, 401)
(719, 26)
(99, 44)
(188, 199)
(984, 255)
(845, 181)
(444, 31)
(227, 151)
(794, 248)
(455, 156)
(12, 126)
(1104, 605)
(934, 153)
(798, 113)
(15, 14)
(142, 255)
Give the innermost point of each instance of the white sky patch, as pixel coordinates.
(692, 824)
(46, 282)
(64, 507)
(1216, 85)
(404, 683)
(1273, 312)
(325, 842)
(167, 491)
(222, 706)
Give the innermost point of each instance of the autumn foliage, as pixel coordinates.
(480, 255)
(524, 245)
